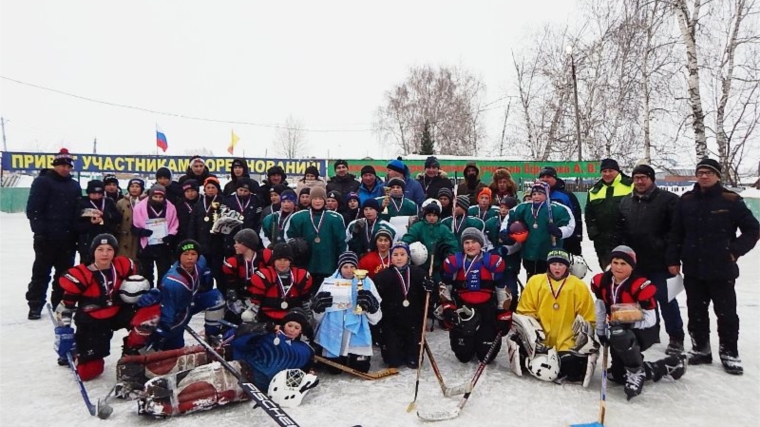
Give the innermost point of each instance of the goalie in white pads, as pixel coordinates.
(553, 330)
(271, 357)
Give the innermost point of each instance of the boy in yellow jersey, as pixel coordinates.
(553, 332)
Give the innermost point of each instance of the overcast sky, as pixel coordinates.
(326, 63)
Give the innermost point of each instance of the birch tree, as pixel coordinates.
(290, 139)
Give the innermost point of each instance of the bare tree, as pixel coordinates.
(290, 139)
(448, 98)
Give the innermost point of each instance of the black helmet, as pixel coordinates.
(301, 252)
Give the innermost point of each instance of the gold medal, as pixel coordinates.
(284, 305)
(206, 219)
(555, 306)
(405, 303)
(317, 239)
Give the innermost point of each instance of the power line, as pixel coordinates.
(178, 115)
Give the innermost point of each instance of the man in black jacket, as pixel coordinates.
(275, 176)
(559, 194)
(342, 181)
(706, 223)
(52, 212)
(646, 224)
(434, 179)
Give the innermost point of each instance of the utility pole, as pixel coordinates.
(569, 51)
(5, 143)
(95, 146)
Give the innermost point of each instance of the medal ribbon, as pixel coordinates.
(551, 288)
(382, 261)
(317, 227)
(535, 212)
(205, 208)
(109, 289)
(397, 206)
(282, 286)
(249, 267)
(157, 214)
(102, 207)
(454, 223)
(472, 278)
(240, 205)
(405, 284)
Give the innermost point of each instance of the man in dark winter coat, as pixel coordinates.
(342, 181)
(433, 179)
(602, 208)
(558, 194)
(471, 185)
(239, 170)
(646, 224)
(706, 222)
(52, 209)
(275, 175)
(174, 193)
(196, 170)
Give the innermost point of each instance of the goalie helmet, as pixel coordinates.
(544, 366)
(133, 288)
(288, 387)
(431, 206)
(578, 267)
(418, 252)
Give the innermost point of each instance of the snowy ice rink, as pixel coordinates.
(35, 391)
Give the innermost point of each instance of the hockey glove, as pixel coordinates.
(359, 226)
(450, 315)
(554, 230)
(321, 302)
(503, 321)
(169, 240)
(428, 284)
(151, 297)
(506, 238)
(63, 315)
(234, 304)
(157, 339)
(367, 301)
(64, 341)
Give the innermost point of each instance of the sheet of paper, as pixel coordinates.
(159, 228)
(341, 293)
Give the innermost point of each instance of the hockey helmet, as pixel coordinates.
(418, 252)
(544, 366)
(431, 206)
(301, 252)
(578, 267)
(288, 387)
(133, 288)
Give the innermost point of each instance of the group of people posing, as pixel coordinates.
(268, 266)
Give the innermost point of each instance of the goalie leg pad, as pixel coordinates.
(530, 332)
(515, 358)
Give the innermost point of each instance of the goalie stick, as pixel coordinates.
(421, 355)
(602, 395)
(447, 415)
(101, 409)
(377, 375)
(447, 391)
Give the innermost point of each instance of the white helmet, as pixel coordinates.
(418, 252)
(578, 267)
(133, 288)
(544, 366)
(288, 387)
(431, 205)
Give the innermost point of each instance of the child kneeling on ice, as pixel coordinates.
(344, 332)
(626, 316)
(269, 356)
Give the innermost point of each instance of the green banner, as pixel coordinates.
(520, 170)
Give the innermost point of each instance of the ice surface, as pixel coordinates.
(35, 391)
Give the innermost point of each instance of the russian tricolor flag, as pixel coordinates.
(161, 141)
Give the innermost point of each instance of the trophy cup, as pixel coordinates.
(360, 275)
(214, 217)
(387, 197)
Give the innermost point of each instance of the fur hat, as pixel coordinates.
(626, 253)
(500, 174)
(248, 238)
(472, 233)
(63, 158)
(707, 163)
(104, 239)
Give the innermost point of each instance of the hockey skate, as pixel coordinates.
(634, 381)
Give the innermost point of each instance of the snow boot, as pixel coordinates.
(35, 313)
(700, 354)
(675, 346)
(731, 362)
(634, 381)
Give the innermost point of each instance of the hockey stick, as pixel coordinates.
(421, 355)
(447, 391)
(270, 407)
(377, 375)
(447, 415)
(549, 212)
(101, 409)
(602, 395)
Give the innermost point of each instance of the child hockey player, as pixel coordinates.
(240, 269)
(344, 333)
(484, 209)
(512, 260)
(474, 298)
(360, 232)
(102, 294)
(460, 221)
(380, 257)
(98, 216)
(273, 226)
(260, 352)
(402, 288)
(627, 321)
(396, 204)
(554, 337)
(445, 196)
(437, 238)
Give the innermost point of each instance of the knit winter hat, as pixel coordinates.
(643, 170)
(347, 257)
(190, 184)
(277, 170)
(288, 195)
(318, 193)
(63, 158)
(340, 162)
(368, 169)
(157, 189)
(248, 238)
(609, 164)
(538, 187)
(138, 181)
(95, 186)
(312, 170)
(463, 201)
(279, 188)
(382, 232)
(626, 253)
(509, 201)
(432, 162)
(485, 191)
(352, 196)
(246, 183)
(397, 165)
(334, 194)
(197, 159)
(298, 315)
(371, 203)
(188, 245)
(213, 181)
(445, 192)
(472, 233)
(396, 181)
(104, 239)
(305, 190)
(282, 250)
(110, 179)
(164, 173)
(404, 246)
(558, 255)
(707, 163)
(548, 171)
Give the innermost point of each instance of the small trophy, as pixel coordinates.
(360, 275)
(387, 198)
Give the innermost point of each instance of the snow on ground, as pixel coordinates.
(34, 391)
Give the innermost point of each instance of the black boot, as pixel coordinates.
(634, 381)
(731, 361)
(35, 312)
(675, 346)
(700, 353)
